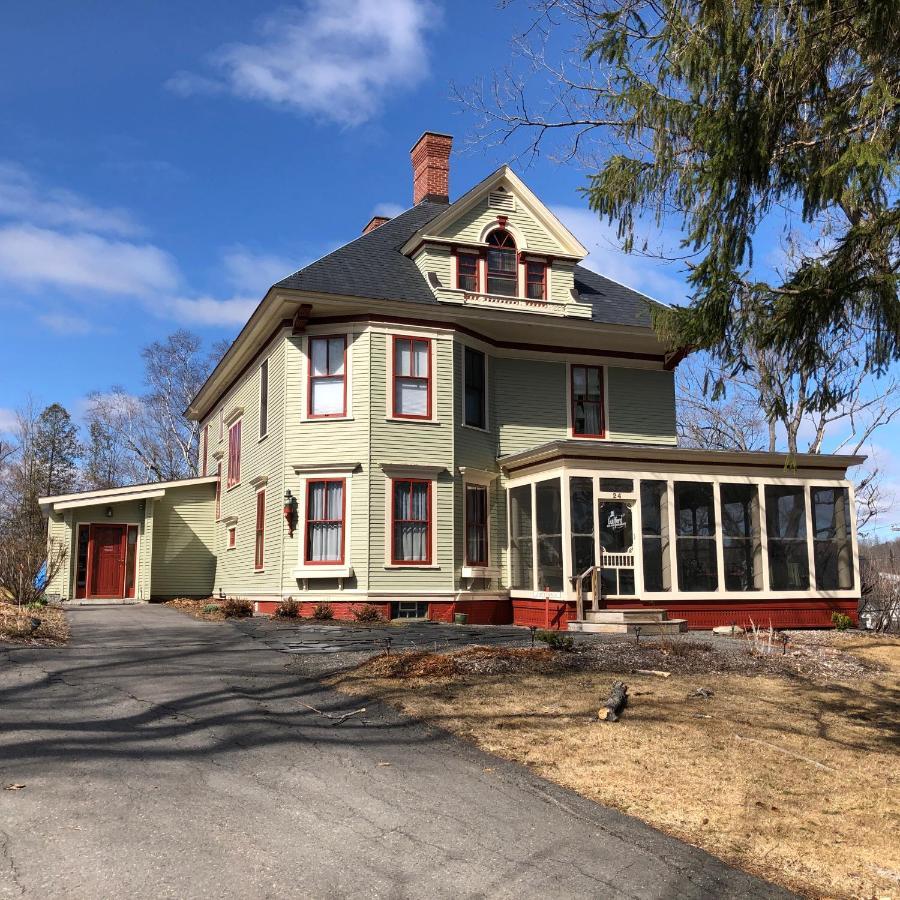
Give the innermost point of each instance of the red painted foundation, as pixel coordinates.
(479, 612)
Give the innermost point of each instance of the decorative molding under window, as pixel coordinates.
(259, 481)
(411, 470)
(234, 414)
(325, 468)
(313, 572)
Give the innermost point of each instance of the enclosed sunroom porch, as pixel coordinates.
(714, 538)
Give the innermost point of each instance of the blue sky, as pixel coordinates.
(162, 164)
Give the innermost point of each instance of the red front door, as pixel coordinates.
(108, 563)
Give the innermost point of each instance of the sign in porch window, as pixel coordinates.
(327, 377)
(832, 546)
(412, 378)
(411, 522)
(234, 454)
(475, 384)
(695, 536)
(740, 537)
(325, 510)
(259, 548)
(521, 546)
(467, 272)
(581, 511)
(548, 512)
(655, 535)
(476, 525)
(786, 538)
(536, 281)
(587, 401)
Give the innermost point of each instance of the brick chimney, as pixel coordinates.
(431, 167)
(375, 222)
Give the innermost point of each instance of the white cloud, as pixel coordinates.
(8, 420)
(23, 199)
(40, 257)
(65, 324)
(251, 273)
(333, 60)
(207, 310)
(656, 278)
(388, 209)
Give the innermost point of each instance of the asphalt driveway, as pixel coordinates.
(167, 757)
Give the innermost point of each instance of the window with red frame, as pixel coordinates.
(476, 525)
(234, 454)
(536, 281)
(467, 272)
(232, 537)
(411, 522)
(412, 378)
(218, 491)
(259, 547)
(204, 443)
(327, 377)
(325, 511)
(587, 401)
(502, 264)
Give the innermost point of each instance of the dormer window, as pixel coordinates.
(467, 272)
(536, 280)
(502, 264)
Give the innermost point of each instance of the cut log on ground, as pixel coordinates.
(616, 702)
(655, 672)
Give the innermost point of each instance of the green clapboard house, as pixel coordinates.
(450, 414)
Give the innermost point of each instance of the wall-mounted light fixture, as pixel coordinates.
(109, 512)
(290, 511)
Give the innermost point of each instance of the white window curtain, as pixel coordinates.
(410, 521)
(411, 378)
(325, 521)
(327, 376)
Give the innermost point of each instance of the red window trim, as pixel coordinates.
(204, 445)
(503, 275)
(234, 453)
(232, 537)
(487, 531)
(529, 281)
(477, 258)
(428, 522)
(219, 491)
(259, 547)
(343, 520)
(602, 416)
(427, 378)
(310, 377)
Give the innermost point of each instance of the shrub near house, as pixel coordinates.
(451, 414)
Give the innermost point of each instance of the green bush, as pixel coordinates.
(323, 611)
(366, 613)
(211, 608)
(288, 609)
(556, 640)
(841, 621)
(236, 608)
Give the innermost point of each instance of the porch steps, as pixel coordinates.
(627, 621)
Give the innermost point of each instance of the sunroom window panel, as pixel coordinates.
(740, 537)
(548, 509)
(581, 510)
(832, 546)
(521, 550)
(786, 538)
(695, 536)
(655, 535)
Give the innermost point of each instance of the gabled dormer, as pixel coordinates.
(499, 246)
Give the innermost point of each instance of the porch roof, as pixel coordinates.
(618, 451)
(119, 495)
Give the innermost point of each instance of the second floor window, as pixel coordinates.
(475, 388)
(259, 547)
(411, 522)
(502, 264)
(467, 272)
(327, 377)
(218, 491)
(234, 454)
(536, 281)
(204, 443)
(264, 398)
(325, 521)
(587, 401)
(412, 378)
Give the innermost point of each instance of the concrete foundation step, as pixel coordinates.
(666, 626)
(613, 616)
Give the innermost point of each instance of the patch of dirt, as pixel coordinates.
(17, 626)
(198, 608)
(782, 765)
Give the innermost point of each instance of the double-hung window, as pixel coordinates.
(587, 401)
(475, 371)
(476, 525)
(502, 264)
(411, 522)
(234, 454)
(325, 513)
(467, 272)
(218, 491)
(264, 398)
(259, 552)
(327, 377)
(412, 378)
(536, 281)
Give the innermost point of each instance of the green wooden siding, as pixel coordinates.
(529, 403)
(470, 224)
(641, 405)
(438, 260)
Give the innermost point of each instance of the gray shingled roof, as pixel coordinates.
(373, 267)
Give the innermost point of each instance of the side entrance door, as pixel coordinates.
(108, 563)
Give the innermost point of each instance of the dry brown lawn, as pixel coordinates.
(16, 625)
(794, 780)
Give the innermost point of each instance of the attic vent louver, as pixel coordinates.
(501, 200)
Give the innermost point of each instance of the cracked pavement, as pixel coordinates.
(168, 757)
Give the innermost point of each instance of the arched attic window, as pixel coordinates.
(502, 264)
